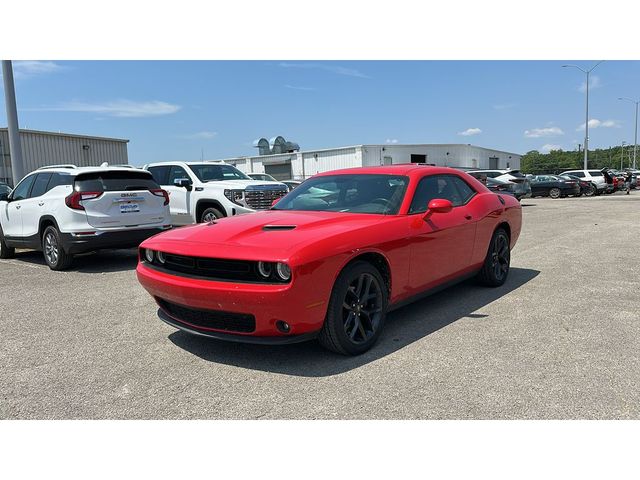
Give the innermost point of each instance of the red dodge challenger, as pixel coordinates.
(332, 257)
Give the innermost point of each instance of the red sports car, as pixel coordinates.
(332, 257)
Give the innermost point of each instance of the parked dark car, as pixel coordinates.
(553, 186)
(500, 186)
(588, 189)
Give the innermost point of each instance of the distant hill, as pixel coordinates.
(558, 160)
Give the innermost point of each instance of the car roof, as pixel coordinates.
(398, 169)
(74, 171)
(181, 162)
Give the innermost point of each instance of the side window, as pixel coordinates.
(40, 185)
(465, 192)
(58, 179)
(22, 190)
(160, 174)
(176, 173)
(435, 186)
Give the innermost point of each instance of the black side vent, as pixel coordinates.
(278, 227)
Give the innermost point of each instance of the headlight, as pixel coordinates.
(148, 254)
(284, 272)
(264, 269)
(161, 257)
(236, 196)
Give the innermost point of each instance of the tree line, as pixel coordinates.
(557, 161)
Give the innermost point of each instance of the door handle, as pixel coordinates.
(18, 207)
(40, 204)
(468, 217)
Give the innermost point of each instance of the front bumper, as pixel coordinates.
(295, 303)
(74, 243)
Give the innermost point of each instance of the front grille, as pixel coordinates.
(220, 269)
(210, 319)
(263, 198)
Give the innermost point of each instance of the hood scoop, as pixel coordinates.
(269, 228)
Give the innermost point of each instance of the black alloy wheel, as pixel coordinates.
(357, 310)
(210, 214)
(498, 260)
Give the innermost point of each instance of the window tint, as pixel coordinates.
(493, 174)
(595, 173)
(40, 185)
(465, 192)
(177, 173)
(380, 194)
(161, 174)
(213, 173)
(58, 179)
(439, 186)
(22, 190)
(115, 181)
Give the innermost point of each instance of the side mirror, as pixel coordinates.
(438, 205)
(183, 182)
(4, 197)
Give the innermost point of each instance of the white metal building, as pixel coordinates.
(48, 148)
(302, 165)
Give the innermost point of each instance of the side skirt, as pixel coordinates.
(433, 290)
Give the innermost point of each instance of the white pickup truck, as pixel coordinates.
(203, 191)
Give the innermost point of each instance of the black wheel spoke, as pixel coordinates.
(362, 308)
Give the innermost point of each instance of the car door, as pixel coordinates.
(12, 211)
(539, 185)
(34, 206)
(442, 245)
(180, 204)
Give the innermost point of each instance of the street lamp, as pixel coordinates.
(635, 138)
(622, 152)
(586, 123)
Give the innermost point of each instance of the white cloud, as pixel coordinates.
(294, 87)
(115, 108)
(470, 131)
(350, 72)
(548, 147)
(392, 140)
(543, 132)
(199, 136)
(30, 68)
(594, 82)
(504, 106)
(595, 123)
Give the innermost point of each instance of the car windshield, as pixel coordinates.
(379, 194)
(216, 173)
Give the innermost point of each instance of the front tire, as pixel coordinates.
(357, 310)
(6, 251)
(54, 255)
(497, 263)
(210, 214)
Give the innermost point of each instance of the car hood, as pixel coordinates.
(267, 235)
(242, 184)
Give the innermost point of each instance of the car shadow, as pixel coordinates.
(103, 261)
(404, 326)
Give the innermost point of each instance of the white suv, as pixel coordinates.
(594, 176)
(66, 210)
(203, 191)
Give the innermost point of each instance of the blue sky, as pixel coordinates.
(172, 110)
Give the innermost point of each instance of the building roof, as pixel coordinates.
(71, 135)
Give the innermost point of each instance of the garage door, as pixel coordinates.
(279, 171)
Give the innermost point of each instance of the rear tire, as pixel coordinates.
(210, 214)
(497, 263)
(6, 251)
(54, 255)
(555, 193)
(590, 191)
(356, 311)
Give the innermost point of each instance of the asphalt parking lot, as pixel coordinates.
(560, 340)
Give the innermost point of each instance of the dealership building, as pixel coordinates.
(40, 149)
(300, 165)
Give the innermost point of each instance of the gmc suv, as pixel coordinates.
(65, 210)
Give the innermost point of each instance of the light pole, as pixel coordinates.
(622, 152)
(586, 122)
(635, 138)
